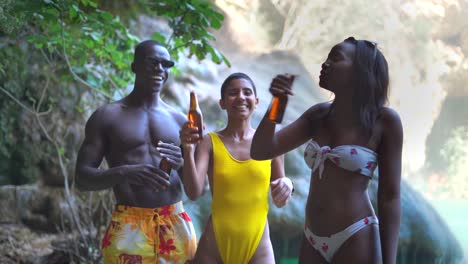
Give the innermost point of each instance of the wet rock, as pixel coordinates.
(18, 244)
(8, 201)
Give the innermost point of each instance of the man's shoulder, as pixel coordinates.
(106, 113)
(110, 107)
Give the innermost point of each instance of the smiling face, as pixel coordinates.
(239, 99)
(151, 66)
(338, 70)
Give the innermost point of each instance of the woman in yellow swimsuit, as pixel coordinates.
(237, 231)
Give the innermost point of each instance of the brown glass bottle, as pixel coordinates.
(165, 166)
(195, 114)
(278, 106)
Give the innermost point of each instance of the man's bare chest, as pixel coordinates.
(135, 129)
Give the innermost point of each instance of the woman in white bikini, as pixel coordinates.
(347, 140)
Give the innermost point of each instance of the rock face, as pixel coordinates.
(8, 204)
(28, 224)
(36, 225)
(19, 244)
(39, 208)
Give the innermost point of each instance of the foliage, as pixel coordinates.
(61, 57)
(93, 213)
(50, 45)
(93, 43)
(190, 20)
(75, 48)
(14, 128)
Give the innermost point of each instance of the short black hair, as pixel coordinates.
(140, 47)
(235, 76)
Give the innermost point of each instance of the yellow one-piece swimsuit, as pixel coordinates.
(240, 203)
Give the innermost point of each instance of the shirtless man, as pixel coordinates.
(149, 224)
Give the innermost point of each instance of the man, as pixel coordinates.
(149, 224)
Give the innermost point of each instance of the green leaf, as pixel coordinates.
(61, 151)
(189, 6)
(159, 37)
(216, 24)
(96, 36)
(92, 4)
(226, 61)
(73, 12)
(106, 16)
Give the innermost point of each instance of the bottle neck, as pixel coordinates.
(193, 101)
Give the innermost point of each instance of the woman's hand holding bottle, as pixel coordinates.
(280, 88)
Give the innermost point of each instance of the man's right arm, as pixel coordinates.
(87, 175)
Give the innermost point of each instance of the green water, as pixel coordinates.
(455, 213)
(288, 261)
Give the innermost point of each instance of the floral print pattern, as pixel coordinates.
(354, 158)
(147, 235)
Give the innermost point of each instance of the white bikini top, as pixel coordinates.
(350, 157)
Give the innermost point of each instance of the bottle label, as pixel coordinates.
(165, 166)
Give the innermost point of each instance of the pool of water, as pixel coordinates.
(288, 261)
(455, 213)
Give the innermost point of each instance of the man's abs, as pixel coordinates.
(133, 140)
(144, 196)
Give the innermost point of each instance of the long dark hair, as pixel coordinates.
(372, 81)
(234, 76)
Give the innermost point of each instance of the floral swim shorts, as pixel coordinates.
(146, 235)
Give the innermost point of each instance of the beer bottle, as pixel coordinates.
(278, 106)
(165, 166)
(195, 114)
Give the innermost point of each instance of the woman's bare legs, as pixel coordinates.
(207, 251)
(264, 253)
(308, 254)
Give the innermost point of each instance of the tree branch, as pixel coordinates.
(17, 101)
(22, 105)
(176, 26)
(182, 45)
(43, 94)
(75, 76)
(69, 197)
(109, 78)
